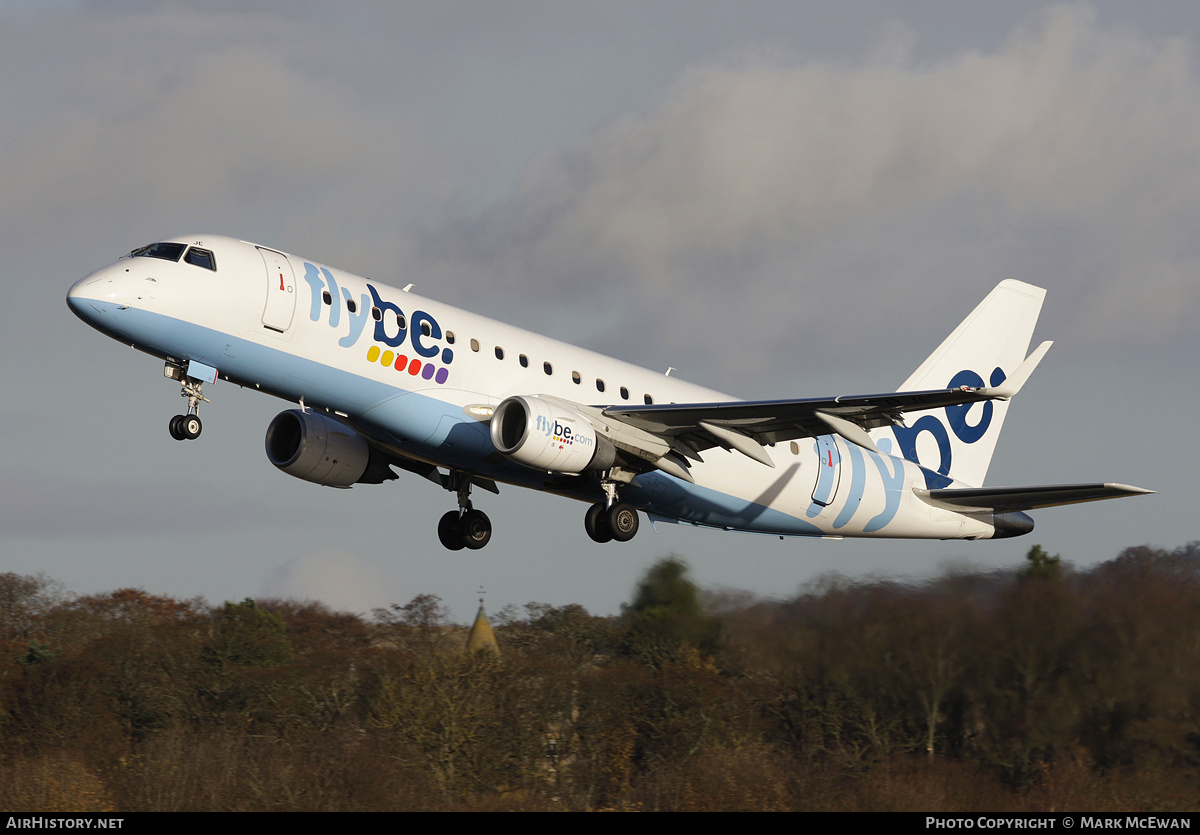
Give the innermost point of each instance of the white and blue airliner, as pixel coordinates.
(385, 379)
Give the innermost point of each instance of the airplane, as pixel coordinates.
(385, 378)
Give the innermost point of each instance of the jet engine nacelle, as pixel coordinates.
(551, 437)
(317, 448)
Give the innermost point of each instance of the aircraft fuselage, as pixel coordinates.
(420, 381)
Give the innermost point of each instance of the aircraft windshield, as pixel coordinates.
(165, 251)
(201, 258)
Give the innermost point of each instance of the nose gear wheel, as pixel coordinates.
(187, 427)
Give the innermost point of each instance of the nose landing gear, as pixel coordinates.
(187, 427)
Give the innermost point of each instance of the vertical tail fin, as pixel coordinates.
(982, 351)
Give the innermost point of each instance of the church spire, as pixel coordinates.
(481, 637)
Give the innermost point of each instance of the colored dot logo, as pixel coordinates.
(415, 366)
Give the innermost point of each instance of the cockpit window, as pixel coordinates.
(202, 258)
(165, 251)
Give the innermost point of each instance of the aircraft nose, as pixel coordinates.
(85, 298)
(97, 298)
(75, 299)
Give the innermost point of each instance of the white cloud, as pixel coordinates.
(172, 117)
(762, 211)
(768, 202)
(341, 580)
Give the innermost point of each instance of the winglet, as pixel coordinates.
(1014, 383)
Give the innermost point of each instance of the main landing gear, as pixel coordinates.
(611, 520)
(187, 427)
(608, 521)
(465, 527)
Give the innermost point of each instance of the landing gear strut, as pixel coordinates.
(465, 527)
(611, 520)
(187, 427)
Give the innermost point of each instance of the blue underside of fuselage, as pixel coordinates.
(424, 427)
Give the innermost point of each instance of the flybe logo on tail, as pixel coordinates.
(956, 419)
(420, 331)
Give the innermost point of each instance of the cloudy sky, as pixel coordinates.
(780, 199)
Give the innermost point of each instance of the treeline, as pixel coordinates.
(1044, 689)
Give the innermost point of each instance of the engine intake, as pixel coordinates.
(533, 432)
(322, 450)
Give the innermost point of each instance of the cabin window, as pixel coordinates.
(649, 400)
(425, 329)
(165, 251)
(795, 448)
(475, 345)
(575, 378)
(524, 360)
(599, 385)
(352, 305)
(201, 258)
(376, 314)
(499, 353)
(401, 322)
(450, 337)
(624, 393)
(325, 297)
(547, 368)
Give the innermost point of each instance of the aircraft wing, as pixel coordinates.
(700, 426)
(690, 428)
(1007, 499)
(770, 421)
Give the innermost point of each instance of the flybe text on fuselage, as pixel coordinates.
(392, 330)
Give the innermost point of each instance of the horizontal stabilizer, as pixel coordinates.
(1008, 499)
